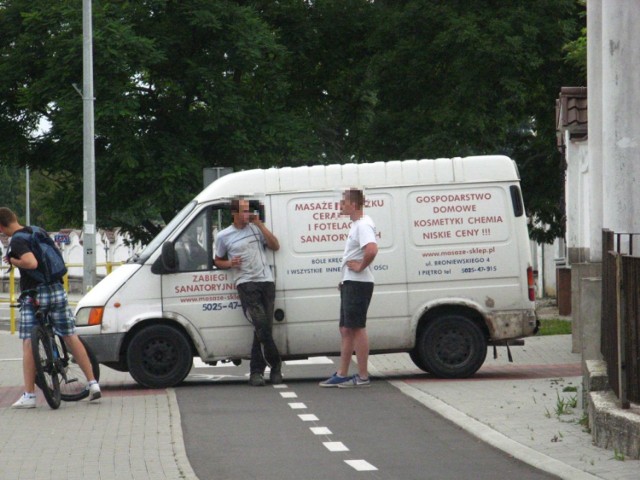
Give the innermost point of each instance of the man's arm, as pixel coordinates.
(27, 261)
(270, 238)
(221, 262)
(370, 252)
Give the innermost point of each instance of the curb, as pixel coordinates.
(177, 439)
(494, 438)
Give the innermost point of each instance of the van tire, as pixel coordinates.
(159, 356)
(452, 346)
(417, 359)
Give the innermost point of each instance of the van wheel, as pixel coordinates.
(417, 359)
(159, 356)
(452, 346)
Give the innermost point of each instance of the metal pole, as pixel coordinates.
(89, 189)
(28, 199)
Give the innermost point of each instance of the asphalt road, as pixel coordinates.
(301, 431)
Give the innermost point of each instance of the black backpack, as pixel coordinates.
(47, 254)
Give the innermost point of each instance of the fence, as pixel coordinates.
(12, 298)
(620, 320)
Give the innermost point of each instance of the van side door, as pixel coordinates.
(202, 296)
(312, 235)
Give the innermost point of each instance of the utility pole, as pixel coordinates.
(89, 180)
(28, 197)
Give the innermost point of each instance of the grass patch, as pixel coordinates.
(554, 326)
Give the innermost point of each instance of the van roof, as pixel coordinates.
(476, 169)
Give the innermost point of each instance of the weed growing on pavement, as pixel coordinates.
(570, 389)
(584, 422)
(618, 455)
(565, 406)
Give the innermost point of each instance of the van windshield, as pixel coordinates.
(162, 236)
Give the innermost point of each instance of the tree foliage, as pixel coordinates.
(183, 85)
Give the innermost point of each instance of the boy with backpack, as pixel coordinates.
(36, 256)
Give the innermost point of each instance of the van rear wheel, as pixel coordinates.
(452, 346)
(159, 356)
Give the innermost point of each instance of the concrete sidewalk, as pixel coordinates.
(133, 433)
(523, 408)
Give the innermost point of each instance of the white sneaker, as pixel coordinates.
(27, 400)
(94, 392)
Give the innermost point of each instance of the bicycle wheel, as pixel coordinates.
(74, 385)
(46, 368)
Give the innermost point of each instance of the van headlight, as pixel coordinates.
(88, 316)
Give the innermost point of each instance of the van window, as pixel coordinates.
(164, 234)
(195, 245)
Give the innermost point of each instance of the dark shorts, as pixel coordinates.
(354, 303)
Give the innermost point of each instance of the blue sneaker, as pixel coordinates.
(334, 381)
(355, 381)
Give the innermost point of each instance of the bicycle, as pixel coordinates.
(58, 375)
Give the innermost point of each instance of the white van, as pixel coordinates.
(453, 272)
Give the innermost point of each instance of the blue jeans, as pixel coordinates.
(258, 300)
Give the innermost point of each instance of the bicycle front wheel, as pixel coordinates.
(74, 385)
(46, 367)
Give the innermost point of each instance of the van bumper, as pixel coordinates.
(513, 324)
(105, 346)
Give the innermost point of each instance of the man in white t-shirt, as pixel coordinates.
(241, 248)
(356, 290)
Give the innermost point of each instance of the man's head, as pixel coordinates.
(8, 221)
(240, 212)
(352, 203)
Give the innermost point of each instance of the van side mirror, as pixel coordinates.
(169, 260)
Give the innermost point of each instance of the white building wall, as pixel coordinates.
(620, 115)
(594, 100)
(578, 193)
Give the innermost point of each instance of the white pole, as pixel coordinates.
(28, 199)
(89, 189)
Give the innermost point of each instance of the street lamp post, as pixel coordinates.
(89, 189)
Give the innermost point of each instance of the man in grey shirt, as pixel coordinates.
(241, 247)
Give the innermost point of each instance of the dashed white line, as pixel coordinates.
(335, 446)
(308, 417)
(360, 465)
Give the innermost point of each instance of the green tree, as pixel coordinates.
(179, 86)
(461, 78)
(182, 85)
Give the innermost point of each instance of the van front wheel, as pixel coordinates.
(452, 346)
(159, 356)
